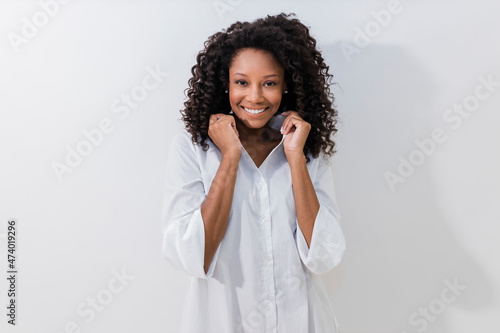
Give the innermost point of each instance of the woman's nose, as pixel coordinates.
(256, 95)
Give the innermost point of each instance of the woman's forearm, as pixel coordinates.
(306, 200)
(217, 205)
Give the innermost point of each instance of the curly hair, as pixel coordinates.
(306, 76)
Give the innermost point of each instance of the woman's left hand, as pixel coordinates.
(296, 130)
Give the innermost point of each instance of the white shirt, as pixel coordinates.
(263, 277)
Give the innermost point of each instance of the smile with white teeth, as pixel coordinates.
(254, 111)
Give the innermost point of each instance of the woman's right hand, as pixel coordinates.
(222, 130)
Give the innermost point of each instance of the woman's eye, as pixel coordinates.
(268, 84)
(241, 82)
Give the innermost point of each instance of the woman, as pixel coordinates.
(249, 208)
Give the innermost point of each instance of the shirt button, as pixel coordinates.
(264, 219)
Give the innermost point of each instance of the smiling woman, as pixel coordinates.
(249, 207)
(256, 85)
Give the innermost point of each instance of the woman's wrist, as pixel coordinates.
(296, 157)
(232, 155)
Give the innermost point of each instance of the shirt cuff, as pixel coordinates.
(327, 243)
(184, 245)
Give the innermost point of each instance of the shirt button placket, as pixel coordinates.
(268, 250)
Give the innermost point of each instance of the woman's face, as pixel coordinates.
(256, 85)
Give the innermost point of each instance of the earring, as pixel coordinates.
(286, 92)
(227, 91)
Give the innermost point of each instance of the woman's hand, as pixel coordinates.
(296, 130)
(222, 130)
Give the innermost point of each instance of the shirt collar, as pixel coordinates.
(276, 121)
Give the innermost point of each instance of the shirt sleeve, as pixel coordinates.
(327, 242)
(182, 223)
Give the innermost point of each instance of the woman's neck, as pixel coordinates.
(257, 135)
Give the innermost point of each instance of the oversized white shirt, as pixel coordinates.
(263, 276)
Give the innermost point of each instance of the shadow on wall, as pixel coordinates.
(403, 268)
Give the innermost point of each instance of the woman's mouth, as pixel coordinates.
(254, 111)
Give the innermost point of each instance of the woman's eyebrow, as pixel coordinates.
(270, 75)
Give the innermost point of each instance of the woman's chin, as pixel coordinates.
(255, 120)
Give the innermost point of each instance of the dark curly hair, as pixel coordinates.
(306, 76)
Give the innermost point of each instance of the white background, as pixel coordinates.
(104, 217)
